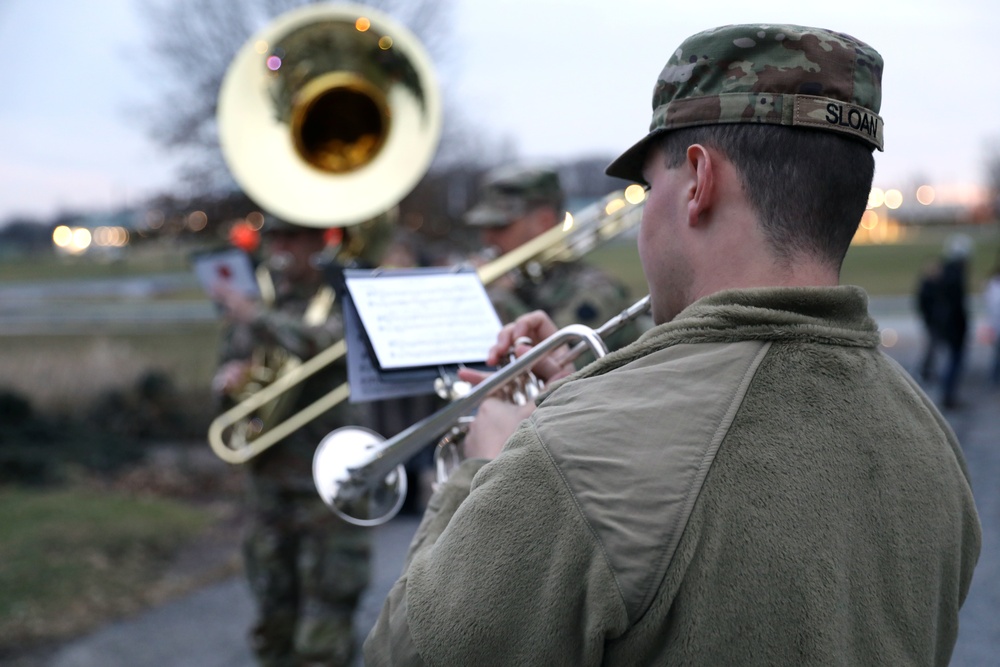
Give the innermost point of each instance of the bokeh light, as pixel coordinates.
(197, 221)
(154, 219)
(77, 240)
(635, 193)
(111, 237)
(614, 206)
(62, 236)
(81, 239)
(260, 46)
(568, 222)
(244, 236)
(876, 198)
(893, 199)
(362, 24)
(385, 42)
(889, 337)
(255, 220)
(878, 228)
(274, 63)
(925, 195)
(869, 220)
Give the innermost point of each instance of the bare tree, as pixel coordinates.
(191, 43)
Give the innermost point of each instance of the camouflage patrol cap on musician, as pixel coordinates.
(510, 192)
(776, 74)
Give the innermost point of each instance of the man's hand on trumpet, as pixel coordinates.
(498, 418)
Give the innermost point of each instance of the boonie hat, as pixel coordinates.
(765, 73)
(510, 192)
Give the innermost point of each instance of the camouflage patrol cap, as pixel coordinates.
(776, 74)
(510, 192)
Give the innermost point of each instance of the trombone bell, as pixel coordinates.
(330, 115)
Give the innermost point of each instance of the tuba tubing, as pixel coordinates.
(343, 477)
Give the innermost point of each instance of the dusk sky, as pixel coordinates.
(559, 78)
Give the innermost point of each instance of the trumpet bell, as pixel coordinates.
(361, 504)
(330, 115)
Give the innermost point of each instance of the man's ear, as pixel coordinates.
(701, 192)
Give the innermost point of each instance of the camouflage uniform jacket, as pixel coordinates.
(282, 327)
(571, 293)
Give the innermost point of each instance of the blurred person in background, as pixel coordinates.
(926, 301)
(517, 203)
(991, 301)
(952, 314)
(306, 567)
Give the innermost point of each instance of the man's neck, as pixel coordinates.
(801, 271)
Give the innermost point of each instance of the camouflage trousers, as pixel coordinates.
(307, 570)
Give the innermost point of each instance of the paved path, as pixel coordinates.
(208, 628)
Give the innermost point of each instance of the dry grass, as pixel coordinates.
(63, 373)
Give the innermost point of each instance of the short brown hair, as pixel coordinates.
(808, 188)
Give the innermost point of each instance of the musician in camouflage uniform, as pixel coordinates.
(517, 204)
(306, 567)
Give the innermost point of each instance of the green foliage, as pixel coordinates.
(70, 556)
(40, 449)
(37, 450)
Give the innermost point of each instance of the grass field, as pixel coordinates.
(143, 259)
(72, 558)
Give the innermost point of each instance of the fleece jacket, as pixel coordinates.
(752, 483)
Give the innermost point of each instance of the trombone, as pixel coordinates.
(361, 476)
(578, 234)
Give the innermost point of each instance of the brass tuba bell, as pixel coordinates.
(330, 115)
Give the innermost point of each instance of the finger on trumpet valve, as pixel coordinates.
(522, 340)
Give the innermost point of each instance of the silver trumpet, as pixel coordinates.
(360, 475)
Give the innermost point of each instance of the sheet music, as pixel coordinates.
(429, 318)
(366, 382)
(230, 266)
